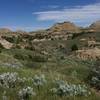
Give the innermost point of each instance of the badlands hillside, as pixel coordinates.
(59, 63)
(65, 26)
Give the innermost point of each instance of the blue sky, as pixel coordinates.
(37, 14)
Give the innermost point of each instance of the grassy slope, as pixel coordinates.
(56, 68)
(63, 70)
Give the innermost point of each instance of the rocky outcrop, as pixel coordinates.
(88, 54)
(5, 43)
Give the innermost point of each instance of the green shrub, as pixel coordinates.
(39, 58)
(74, 47)
(94, 76)
(1, 47)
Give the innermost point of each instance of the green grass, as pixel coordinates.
(56, 68)
(63, 70)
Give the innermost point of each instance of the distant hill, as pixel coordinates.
(65, 26)
(5, 30)
(95, 26)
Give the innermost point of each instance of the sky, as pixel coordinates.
(32, 15)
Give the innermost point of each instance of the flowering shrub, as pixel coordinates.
(26, 93)
(94, 75)
(39, 80)
(9, 80)
(63, 88)
(95, 80)
(11, 64)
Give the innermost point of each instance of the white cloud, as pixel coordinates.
(53, 6)
(79, 14)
